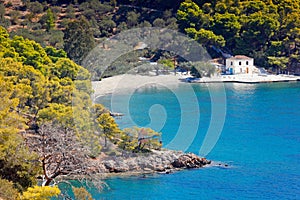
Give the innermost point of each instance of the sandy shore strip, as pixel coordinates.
(123, 83)
(129, 82)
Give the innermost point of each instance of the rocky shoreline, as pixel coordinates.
(162, 161)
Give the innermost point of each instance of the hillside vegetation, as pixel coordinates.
(268, 30)
(65, 24)
(38, 86)
(48, 125)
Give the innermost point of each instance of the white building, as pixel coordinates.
(240, 64)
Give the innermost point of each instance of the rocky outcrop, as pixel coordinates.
(164, 161)
(190, 161)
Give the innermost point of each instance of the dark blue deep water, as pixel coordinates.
(259, 140)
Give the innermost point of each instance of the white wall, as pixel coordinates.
(240, 66)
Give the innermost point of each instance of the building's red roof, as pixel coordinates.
(240, 57)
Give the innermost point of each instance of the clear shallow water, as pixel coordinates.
(260, 141)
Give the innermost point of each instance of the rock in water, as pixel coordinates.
(189, 160)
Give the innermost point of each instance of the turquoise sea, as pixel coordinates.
(259, 140)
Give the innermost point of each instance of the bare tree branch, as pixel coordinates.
(61, 153)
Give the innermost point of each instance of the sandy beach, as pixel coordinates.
(123, 83)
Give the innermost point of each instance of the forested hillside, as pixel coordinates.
(81, 24)
(268, 30)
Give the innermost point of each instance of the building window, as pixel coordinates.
(231, 63)
(247, 62)
(240, 63)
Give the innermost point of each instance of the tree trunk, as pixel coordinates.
(47, 182)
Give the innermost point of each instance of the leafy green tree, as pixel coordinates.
(169, 63)
(70, 12)
(24, 76)
(221, 8)
(261, 58)
(50, 24)
(29, 17)
(55, 54)
(3, 35)
(251, 7)
(167, 14)
(7, 190)
(57, 112)
(108, 127)
(99, 109)
(201, 69)
(56, 9)
(207, 8)
(89, 13)
(190, 15)
(98, 7)
(64, 67)
(129, 141)
(3, 21)
(95, 27)
(228, 26)
(144, 24)
(172, 23)
(205, 37)
(132, 19)
(31, 53)
(56, 39)
(140, 139)
(16, 162)
(258, 29)
(279, 63)
(290, 34)
(122, 26)
(84, 5)
(40, 193)
(78, 39)
(158, 22)
(106, 27)
(36, 7)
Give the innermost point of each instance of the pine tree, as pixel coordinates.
(78, 39)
